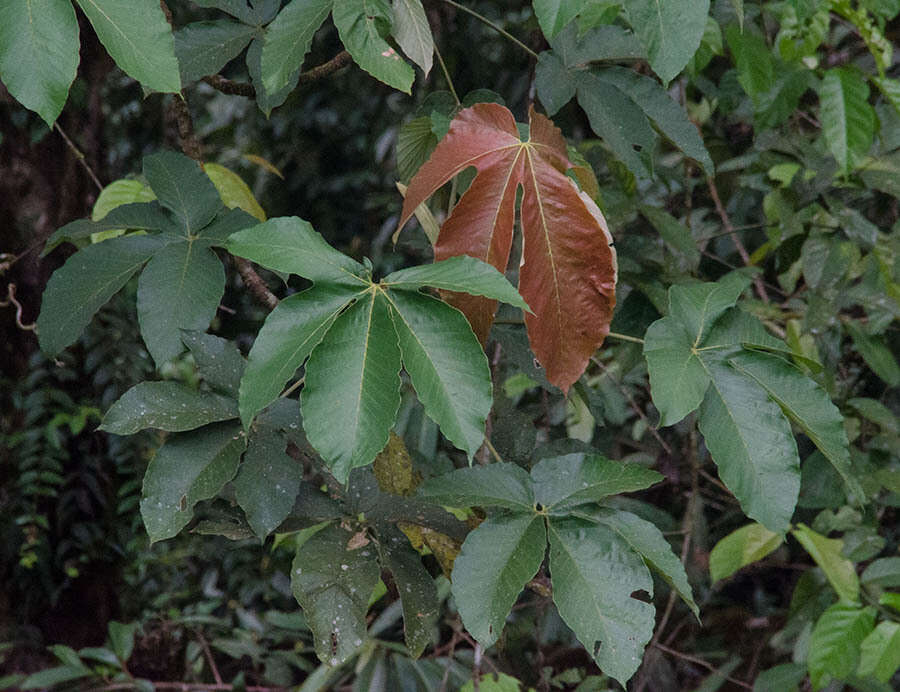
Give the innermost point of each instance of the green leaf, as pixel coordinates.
(564, 482)
(461, 273)
(670, 31)
(188, 468)
(355, 370)
(753, 447)
(332, 584)
(415, 142)
(44, 679)
(357, 22)
(552, 81)
(418, 594)
(880, 652)
(256, 13)
(808, 406)
(834, 647)
(675, 233)
(496, 561)
(493, 682)
(884, 572)
(840, 572)
(848, 121)
(877, 356)
(234, 192)
(183, 188)
(268, 481)
(554, 15)
(412, 32)
(753, 58)
(265, 99)
(121, 637)
(290, 333)
(218, 360)
(39, 53)
(446, 364)
(118, 193)
(226, 223)
(594, 574)
(138, 38)
(146, 216)
(494, 485)
(180, 289)
(697, 306)
(648, 542)
(289, 244)
(168, 406)
(204, 48)
(84, 283)
(615, 116)
(678, 380)
(662, 109)
(287, 41)
(783, 678)
(740, 548)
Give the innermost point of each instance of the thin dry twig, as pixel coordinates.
(11, 300)
(79, 155)
(209, 657)
(702, 663)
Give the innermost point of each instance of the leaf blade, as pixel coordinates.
(287, 41)
(170, 406)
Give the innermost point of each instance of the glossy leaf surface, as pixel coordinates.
(168, 406)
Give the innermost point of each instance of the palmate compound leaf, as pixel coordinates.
(356, 334)
(569, 269)
(599, 551)
(333, 584)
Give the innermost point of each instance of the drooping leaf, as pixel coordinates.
(287, 41)
(289, 244)
(494, 485)
(740, 548)
(448, 368)
(360, 24)
(674, 233)
(670, 31)
(496, 561)
(648, 542)
(234, 192)
(138, 216)
(204, 48)
(138, 38)
(834, 647)
(332, 584)
(265, 99)
(808, 406)
(461, 273)
(594, 574)
(755, 65)
(56, 675)
(188, 468)
(254, 13)
(121, 638)
(569, 267)
(168, 406)
(183, 188)
(753, 446)
(877, 356)
(84, 283)
(267, 482)
(880, 652)
(179, 289)
(564, 482)
(218, 360)
(290, 333)
(418, 594)
(39, 54)
(826, 552)
(355, 370)
(412, 32)
(848, 121)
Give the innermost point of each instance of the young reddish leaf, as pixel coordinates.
(568, 272)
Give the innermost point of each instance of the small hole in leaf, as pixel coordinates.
(596, 649)
(637, 147)
(641, 595)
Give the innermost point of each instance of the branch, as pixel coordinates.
(704, 664)
(233, 88)
(11, 292)
(729, 228)
(254, 282)
(80, 156)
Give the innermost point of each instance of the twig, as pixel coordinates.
(230, 87)
(190, 686)
(742, 251)
(234, 88)
(633, 404)
(340, 60)
(447, 76)
(209, 657)
(625, 337)
(254, 282)
(702, 663)
(493, 450)
(11, 292)
(290, 390)
(495, 27)
(79, 155)
(190, 143)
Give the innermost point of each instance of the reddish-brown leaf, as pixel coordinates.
(568, 271)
